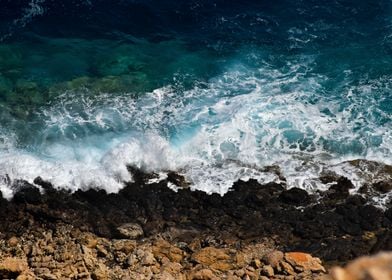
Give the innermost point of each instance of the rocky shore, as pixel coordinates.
(148, 231)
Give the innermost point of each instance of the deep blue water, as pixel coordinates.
(215, 90)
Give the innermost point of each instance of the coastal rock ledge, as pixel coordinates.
(151, 232)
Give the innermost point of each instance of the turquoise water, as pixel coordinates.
(215, 92)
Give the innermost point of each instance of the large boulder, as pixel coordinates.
(378, 267)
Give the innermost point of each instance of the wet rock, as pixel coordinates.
(177, 180)
(294, 196)
(383, 186)
(47, 186)
(26, 193)
(371, 217)
(184, 223)
(131, 230)
(340, 190)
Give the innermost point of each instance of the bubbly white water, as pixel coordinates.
(214, 134)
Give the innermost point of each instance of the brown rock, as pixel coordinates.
(49, 276)
(378, 267)
(214, 258)
(241, 259)
(166, 276)
(273, 258)
(126, 246)
(256, 263)
(131, 230)
(204, 274)
(90, 241)
(286, 268)
(172, 268)
(304, 262)
(267, 271)
(26, 276)
(102, 252)
(12, 267)
(148, 259)
(239, 272)
(100, 273)
(163, 248)
(13, 241)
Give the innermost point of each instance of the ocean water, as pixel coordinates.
(214, 90)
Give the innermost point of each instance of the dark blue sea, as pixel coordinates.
(215, 90)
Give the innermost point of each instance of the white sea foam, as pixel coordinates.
(213, 134)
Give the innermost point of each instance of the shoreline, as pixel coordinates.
(249, 222)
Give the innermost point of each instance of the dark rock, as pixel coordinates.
(371, 217)
(340, 190)
(26, 193)
(44, 184)
(294, 196)
(350, 228)
(177, 180)
(331, 228)
(383, 186)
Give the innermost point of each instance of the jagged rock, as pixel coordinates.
(148, 259)
(273, 258)
(100, 273)
(285, 268)
(177, 179)
(131, 230)
(294, 196)
(214, 258)
(126, 246)
(163, 248)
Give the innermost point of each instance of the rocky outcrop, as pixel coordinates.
(150, 231)
(68, 253)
